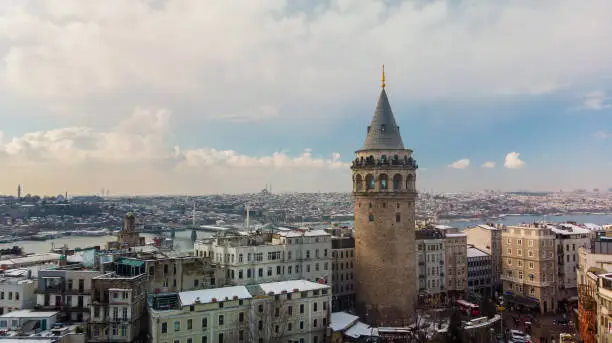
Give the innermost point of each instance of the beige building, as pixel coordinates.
(431, 258)
(529, 268)
(488, 238)
(455, 262)
(384, 191)
(286, 311)
(594, 274)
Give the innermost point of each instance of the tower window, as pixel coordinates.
(371, 217)
(383, 128)
(398, 205)
(383, 181)
(397, 182)
(397, 218)
(370, 181)
(370, 205)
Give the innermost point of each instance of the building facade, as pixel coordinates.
(17, 290)
(455, 263)
(479, 272)
(264, 257)
(384, 192)
(66, 291)
(286, 311)
(569, 239)
(529, 274)
(488, 238)
(343, 273)
(430, 266)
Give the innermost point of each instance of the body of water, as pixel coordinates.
(599, 219)
(183, 242)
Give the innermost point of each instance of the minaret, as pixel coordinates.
(18, 192)
(384, 191)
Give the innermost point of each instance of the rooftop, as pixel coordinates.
(289, 286)
(206, 296)
(475, 252)
(383, 132)
(29, 314)
(340, 321)
(308, 233)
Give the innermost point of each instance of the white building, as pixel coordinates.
(16, 320)
(262, 257)
(67, 291)
(479, 271)
(569, 239)
(287, 311)
(16, 290)
(430, 264)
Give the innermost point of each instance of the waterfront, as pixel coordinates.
(183, 242)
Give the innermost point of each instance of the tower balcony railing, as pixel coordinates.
(374, 163)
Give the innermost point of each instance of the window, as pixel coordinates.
(301, 308)
(289, 309)
(125, 313)
(531, 243)
(220, 338)
(16, 295)
(289, 326)
(315, 307)
(10, 295)
(189, 324)
(519, 252)
(301, 325)
(509, 261)
(177, 325)
(519, 242)
(204, 339)
(371, 217)
(530, 253)
(314, 323)
(241, 317)
(397, 218)
(204, 322)
(164, 328)
(124, 331)
(220, 319)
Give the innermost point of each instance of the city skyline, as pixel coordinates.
(281, 93)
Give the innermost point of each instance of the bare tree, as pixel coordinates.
(270, 319)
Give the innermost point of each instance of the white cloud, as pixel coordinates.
(460, 164)
(513, 161)
(488, 164)
(596, 100)
(138, 149)
(74, 52)
(602, 135)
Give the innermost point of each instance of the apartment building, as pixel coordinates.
(479, 272)
(67, 290)
(343, 273)
(118, 308)
(488, 238)
(455, 261)
(569, 239)
(176, 273)
(286, 311)
(430, 265)
(528, 269)
(244, 259)
(17, 290)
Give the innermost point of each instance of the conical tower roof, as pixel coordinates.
(383, 132)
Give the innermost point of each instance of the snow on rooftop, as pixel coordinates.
(475, 252)
(361, 329)
(340, 321)
(289, 286)
(309, 233)
(456, 235)
(488, 227)
(443, 227)
(29, 314)
(207, 295)
(593, 227)
(32, 259)
(562, 229)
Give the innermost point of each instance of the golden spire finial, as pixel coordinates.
(383, 77)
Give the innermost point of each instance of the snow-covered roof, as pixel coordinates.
(475, 252)
(340, 321)
(207, 295)
(593, 227)
(443, 227)
(361, 329)
(488, 227)
(29, 314)
(289, 286)
(456, 235)
(309, 233)
(568, 229)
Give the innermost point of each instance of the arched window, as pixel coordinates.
(383, 181)
(410, 182)
(397, 182)
(370, 181)
(358, 183)
(383, 158)
(371, 218)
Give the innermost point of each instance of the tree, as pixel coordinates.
(455, 330)
(271, 319)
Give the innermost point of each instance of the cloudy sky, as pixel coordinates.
(191, 96)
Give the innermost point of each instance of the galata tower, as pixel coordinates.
(384, 192)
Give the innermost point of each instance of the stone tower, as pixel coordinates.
(384, 191)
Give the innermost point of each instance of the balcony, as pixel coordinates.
(63, 290)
